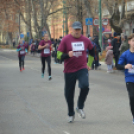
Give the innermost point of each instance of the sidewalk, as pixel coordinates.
(104, 68)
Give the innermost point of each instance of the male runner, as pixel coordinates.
(72, 50)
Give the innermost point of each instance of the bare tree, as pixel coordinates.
(119, 19)
(8, 24)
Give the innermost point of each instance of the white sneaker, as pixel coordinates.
(81, 113)
(71, 119)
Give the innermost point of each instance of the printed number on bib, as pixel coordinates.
(78, 46)
(131, 71)
(22, 52)
(46, 51)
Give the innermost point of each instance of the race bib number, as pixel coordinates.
(78, 46)
(77, 54)
(46, 51)
(22, 52)
(131, 71)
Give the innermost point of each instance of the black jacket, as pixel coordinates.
(96, 41)
(116, 45)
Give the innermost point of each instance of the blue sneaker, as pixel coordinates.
(133, 121)
(50, 78)
(42, 75)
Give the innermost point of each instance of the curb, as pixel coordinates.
(118, 72)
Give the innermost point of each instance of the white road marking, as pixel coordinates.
(66, 132)
(34, 69)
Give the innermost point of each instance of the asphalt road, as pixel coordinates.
(32, 105)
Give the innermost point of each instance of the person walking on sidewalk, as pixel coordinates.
(33, 48)
(124, 46)
(22, 50)
(95, 64)
(109, 59)
(126, 62)
(72, 50)
(116, 43)
(45, 47)
(14, 43)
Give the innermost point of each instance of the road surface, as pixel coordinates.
(32, 105)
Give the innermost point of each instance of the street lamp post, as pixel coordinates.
(100, 23)
(81, 16)
(63, 18)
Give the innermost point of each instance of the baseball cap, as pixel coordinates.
(77, 25)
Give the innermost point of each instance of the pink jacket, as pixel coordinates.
(109, 57)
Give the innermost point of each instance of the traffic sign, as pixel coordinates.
(21, 35)
(43, 33)
(89, 21)
(103, 29)
(96, 22)
(28, 34)
(105, 21)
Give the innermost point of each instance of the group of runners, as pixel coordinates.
(73, 51)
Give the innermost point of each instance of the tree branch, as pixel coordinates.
(59, 10)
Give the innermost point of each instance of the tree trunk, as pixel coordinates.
(67, 24)
(109, 8)
(36, 26)
(28, 18)
(122, 9)
(27, 21)
(41, 3)
(9, 38)
(79, 10)
(90, 15)
(43, 18)
(48, 30)
(115, 16)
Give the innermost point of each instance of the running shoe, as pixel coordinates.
(23, 69)
(42, 75)
(50, 78)
(71, 119)
(81, 113)
(133, 121)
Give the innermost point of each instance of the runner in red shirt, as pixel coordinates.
(72, 50)
(22, 50)
(45, 47)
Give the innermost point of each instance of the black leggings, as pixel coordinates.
(130, 88)
(116, 60)
(21, 62)
(70, 81)
(48, 60)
